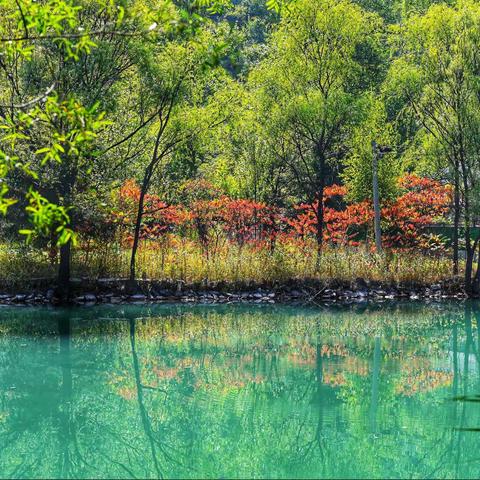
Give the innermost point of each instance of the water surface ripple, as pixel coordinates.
(240, 391)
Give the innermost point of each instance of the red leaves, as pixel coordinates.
(129, 191)
(239, 219)
(158, 217)
(423, 202)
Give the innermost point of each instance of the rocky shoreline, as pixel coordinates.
(310, 291)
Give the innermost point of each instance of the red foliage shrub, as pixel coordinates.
(422, 202)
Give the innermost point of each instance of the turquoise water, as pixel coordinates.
(231, 391)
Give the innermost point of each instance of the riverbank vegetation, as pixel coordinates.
(231, 264)
(244, 141)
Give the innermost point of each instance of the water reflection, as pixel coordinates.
(240, 392)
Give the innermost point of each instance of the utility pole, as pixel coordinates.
(376, 197)
(377, 153)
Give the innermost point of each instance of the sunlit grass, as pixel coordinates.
(232, 263)
(185, 260)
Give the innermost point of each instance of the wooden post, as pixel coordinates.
(376, 198)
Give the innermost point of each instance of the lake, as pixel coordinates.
(240, 391)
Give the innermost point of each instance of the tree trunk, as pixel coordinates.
(470, 250)
(64, 270)
(319, 227)
(138, 223)
(273, 234)
(66, 198)
(136, 234)
(476, 280)
(319, 211)
(456, 219)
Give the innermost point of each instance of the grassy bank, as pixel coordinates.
(230, 263)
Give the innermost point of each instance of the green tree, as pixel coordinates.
(45, 126)
(436, 73)
(26, 24)
(59, 147)
(247, 163)
(178, 78)
(322, 58)
(358, 163)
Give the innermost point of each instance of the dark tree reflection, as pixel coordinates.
(240, 391)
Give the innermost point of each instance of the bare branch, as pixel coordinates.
(38, 99)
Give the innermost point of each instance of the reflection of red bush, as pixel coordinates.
(422, 202)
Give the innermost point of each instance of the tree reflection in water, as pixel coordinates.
(240, 391)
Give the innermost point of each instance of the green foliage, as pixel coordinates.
(435, 73)
(47, 219)
(28, 21)
(279, 6)
(358, 165)
(57, 126)
(215, 6)
(68, 130)
(267, 100)
(311, 85)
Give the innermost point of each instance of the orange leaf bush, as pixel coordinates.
(208, 220)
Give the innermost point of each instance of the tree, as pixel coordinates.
(27, 23)
(436, 73)
(90, 79)
(178, 79)
(313, 80)
(51, 130)
(53, 137)
(247, 163)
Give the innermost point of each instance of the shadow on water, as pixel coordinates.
(471, 348)
(240, 391)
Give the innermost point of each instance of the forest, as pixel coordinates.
(243, 140)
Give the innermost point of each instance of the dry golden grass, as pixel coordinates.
(184, 260)
(230, 262)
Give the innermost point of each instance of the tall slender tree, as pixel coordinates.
(437, 73)
(323, 57)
